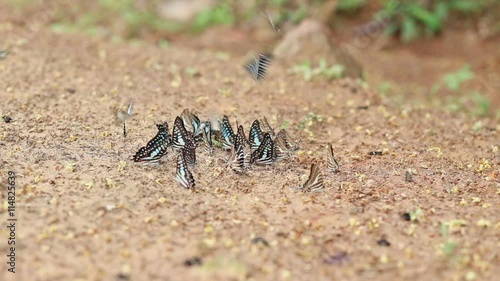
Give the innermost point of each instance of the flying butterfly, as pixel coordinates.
(264, 155)
(257, 68)
(271, 22)
(255, 136)
(156, 147)
(189, 152)
(227, 133)
(315, 181)
(332, 164)
(123, 115)
(179, 134)
(183, 175)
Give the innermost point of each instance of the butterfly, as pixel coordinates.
(287, 141)
(266, 128)
(124, 115)
(281, 150)
(240, 137)
(237, 159)
(189, 152)
(264, 155)
(191, 121)
(332, 164)
(315, 181)
(4, 54)
(257, 67)
(227, 133)
(156, 147)
(207, 142)
(255, 136)
(271, 22)
(179, 134)
(183, 175)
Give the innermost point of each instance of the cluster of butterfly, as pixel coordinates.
(263, 146)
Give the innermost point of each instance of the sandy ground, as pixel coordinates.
(87, 212)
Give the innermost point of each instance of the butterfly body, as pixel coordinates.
(180, 135)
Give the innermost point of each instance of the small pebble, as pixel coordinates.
(406, 216)
(260, 241)
(377, 152)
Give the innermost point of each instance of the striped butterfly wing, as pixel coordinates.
(257, 68)
(240, 137)
(266, 127)
(183, 175)
(190, 121)
(263, 61)
(227, 133)
(189, 152)
(281, 152)
(237, 163)
(289, 143)
(315, 181)
(179, 134)
(207, 143)
(332, 164)
(255, 136)
(156, 147)
(264, 155)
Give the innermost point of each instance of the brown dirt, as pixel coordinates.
(87, 212)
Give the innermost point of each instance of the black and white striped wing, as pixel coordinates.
(281, 152)
(191, 121)
(207, 143)
(240, 137)
(266, 127)
(264, 155)
(183, 175)
(179, 134)
(189, 152)
(332, 164)
(237, 160)
(315, 181)
(289, 143)
(257, 68)
(227, 133)
(255, 136)
(156, 147)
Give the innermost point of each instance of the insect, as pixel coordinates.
(332, 164)
(4, 54)
(240, 137)
(179, 134)
(124, 115)
(257, 68)
(190, 120)
(287, 141)
(156, 147)
(266, 128)
(255, 136)
(227, 133)
(271, 22)
(237, 160)
(281, 152)
(315, 181)
(207, 143)
(183, 175)
(189, 152)
(264, 155)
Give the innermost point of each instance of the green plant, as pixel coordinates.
(309, 120)
(350, 6)
(416, 215)
(411, 19)
(334, 71)
(221, 14)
